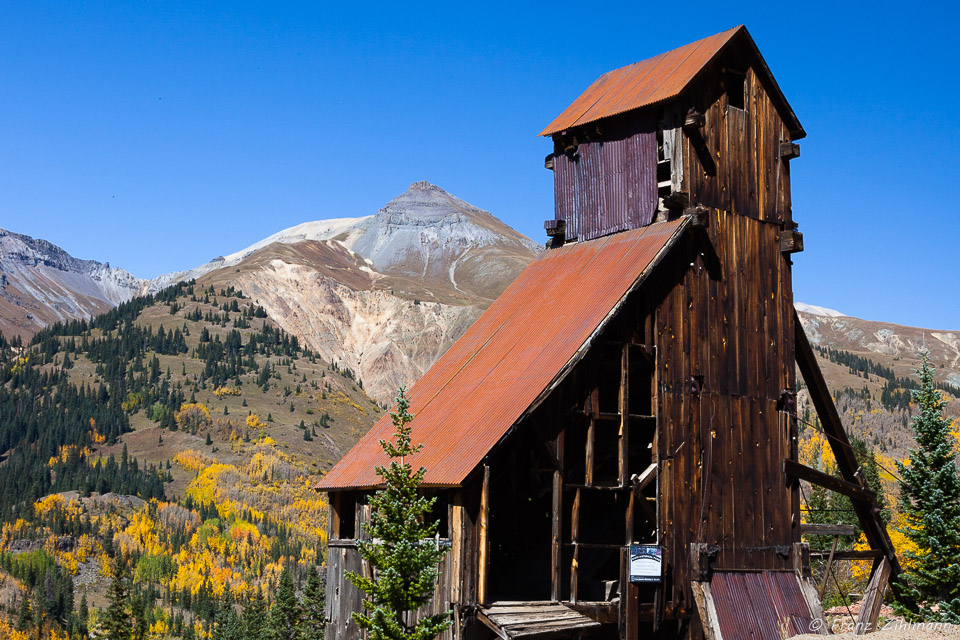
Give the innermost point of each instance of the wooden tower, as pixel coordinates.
(613, 443)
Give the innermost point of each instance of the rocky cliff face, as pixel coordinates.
(384, 295)
(40, 283)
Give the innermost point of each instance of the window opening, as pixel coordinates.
(735, 83)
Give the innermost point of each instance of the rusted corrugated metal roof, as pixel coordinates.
(756, 605)
(485, 382)
(661, 78)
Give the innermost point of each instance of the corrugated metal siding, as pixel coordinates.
(472, 396)
(609, 185)
(754, 605)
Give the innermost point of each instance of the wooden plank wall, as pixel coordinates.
(747, 177)
(728, 324)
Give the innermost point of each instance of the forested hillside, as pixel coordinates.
(175, 441)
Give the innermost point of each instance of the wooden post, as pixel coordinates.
(556, 536)
(873, 598)
(484, 536)
(594, 413)
(333, 522)
(591, 447)
(575, 538)
(456, 546)
(625, 416)
(829, 567)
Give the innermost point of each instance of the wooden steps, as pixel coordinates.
(535, 620)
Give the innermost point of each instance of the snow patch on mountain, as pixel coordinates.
(316, 230)
(817, 311)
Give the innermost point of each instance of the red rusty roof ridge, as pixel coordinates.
(609, 86)
(499, 371)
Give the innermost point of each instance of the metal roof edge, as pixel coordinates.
(675, 234)
(776, 93)
(777, 96)
(585, 347)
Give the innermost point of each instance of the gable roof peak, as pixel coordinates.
(663, 77)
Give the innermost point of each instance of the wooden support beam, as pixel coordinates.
(849, 489)
(575, 538)
(867, 513)
(829, 567)
(707, 611)
(865, 554)
(801, 560)
(677, 200)
(333, 524)
(645, 478)
(624, 403)
(789, 150)
(815, 529)
(701, 554)
(699, 216)
(590, 452)
(694, 121)
(484, 545)
(555, 228)
(873, 598)
(557, 532)
(456, 546)
(791, 241)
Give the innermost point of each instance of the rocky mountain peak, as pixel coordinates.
(41, 283)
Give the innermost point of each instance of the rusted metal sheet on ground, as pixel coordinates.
(762, 604)
(500, 367)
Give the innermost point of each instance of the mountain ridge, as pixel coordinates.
(40, 283)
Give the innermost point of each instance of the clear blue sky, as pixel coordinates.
(159, 135)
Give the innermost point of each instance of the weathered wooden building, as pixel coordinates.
(613, 443)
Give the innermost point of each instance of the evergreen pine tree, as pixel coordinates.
(285, 612)
(255, 617)
(227, 623)
(314, 599)
(24, 619)
(930, 499)
(118, 623)
(405, 569)
(83, 614)
(138, 608)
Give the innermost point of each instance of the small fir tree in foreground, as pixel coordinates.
(285, 612)
(314, 599)
(403, 558)
(119, 621)
(930, 499)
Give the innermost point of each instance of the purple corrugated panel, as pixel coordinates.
(609, 185)
(662, 78)
(758, 604)
(493, 374)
